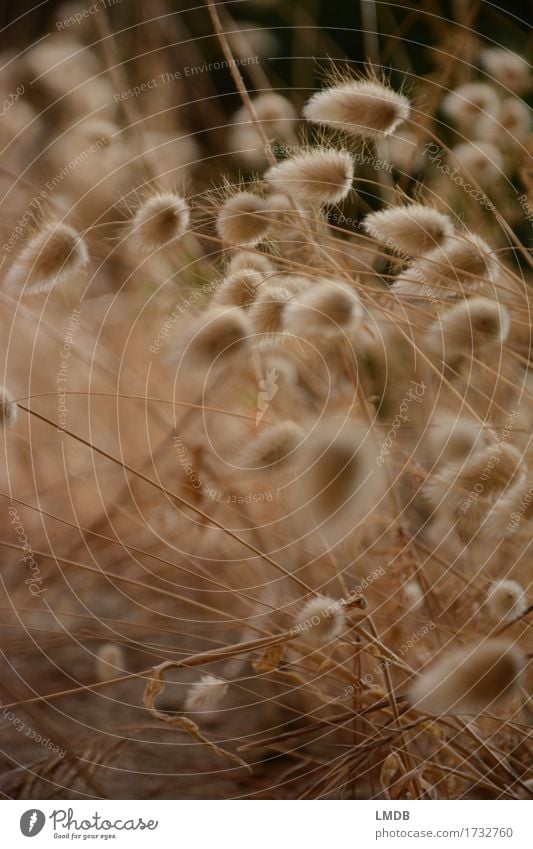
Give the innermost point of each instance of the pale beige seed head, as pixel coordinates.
(274, 447)
(462, 262)
(109, 662)
(277, 117)
(60, 62)
(470, 526)
(239, 289)
(70, 72)
(506, 515)
(218, 334)
(281, 208)
(468, 328)
(405, 151)
(159, 222)
(410, 284)
(476, 482)
(480, 159)
(275, 112)
(516, 511)
(16, 121)
(53, 255)
(469, 104)
(452, 438)
(511, 468)
(248, 148)
(173, 154)
(506, 600)
(319, 176)
(244, 219)
(250, 260)
(327, 308)
(469, 680)
(206, 693)
(296, 283)
(320, 621)
(414, 594)
(510, 126)
(358, 107)
(414, 229)
(510, 69)
(266, 313)
(338, 468)
(276, 367)
(99, 132)
(8, 409)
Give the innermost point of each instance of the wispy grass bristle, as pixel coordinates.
(8, 409)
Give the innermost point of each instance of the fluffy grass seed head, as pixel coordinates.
(506, 600)
(469, 104)
(414, 595)
(250, 260)
(274, 111)
(51, 256)
(281, 209)
(362, 108)
(244, 219)
(8, 409)
(467, 328)
(339, 470)
(473, 484)
(326, 308)
(206, 693)
(109, 662)
(277, 116)
(159, 222)
(414, 228)
(296, 283)
(481, 159)
(246, 145)
(405, 151)
(320, 620)
(461, 261)
(217, 334)
(469, 680)
(510, 126)
(274, 447)
(266, 312)
(509, 470)
(320, 176)
(452, 438)
(239, 289)
(508, 68)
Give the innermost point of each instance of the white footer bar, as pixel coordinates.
(268, 824)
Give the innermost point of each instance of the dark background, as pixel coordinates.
(508, 23)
